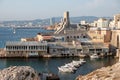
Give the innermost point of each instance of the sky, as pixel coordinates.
(40, 9)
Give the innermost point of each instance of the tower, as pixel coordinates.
(52, 21)
(66, 18)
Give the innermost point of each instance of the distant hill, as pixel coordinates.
(85, 18)
(89, 19)
(46, 22)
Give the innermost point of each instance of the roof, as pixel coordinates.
(20, 43)
(47, 37)
(84, 40)
(31, 39)
(95, 45)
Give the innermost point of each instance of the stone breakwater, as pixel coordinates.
(19, 73)
(105, 73)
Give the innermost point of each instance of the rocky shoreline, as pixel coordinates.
(105, 73)
(25, 73)
(19, 73)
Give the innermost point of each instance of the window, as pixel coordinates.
(94, 37)
(54, 50)
(67, 37)
(91, 49)
(74, 37)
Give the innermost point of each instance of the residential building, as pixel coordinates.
(112, 24)
(102, 23)
(83, 22)
(116, 19)
(100, 35)
(94, 24)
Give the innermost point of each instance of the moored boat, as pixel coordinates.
(94, 56)
(65, 69)
(71, 67)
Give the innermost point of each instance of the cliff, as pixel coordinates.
(19, 73)
(105, 73)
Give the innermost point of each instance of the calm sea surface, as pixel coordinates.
(47, 64)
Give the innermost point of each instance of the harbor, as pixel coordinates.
(50, 65)
(68, 52)
(68, 40)
(60, 40)
(47, 64)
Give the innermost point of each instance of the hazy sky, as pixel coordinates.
(35, 9)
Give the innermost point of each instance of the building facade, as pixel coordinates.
(25, 49)
(63, 49)
(115, 40)
(102, 23)
(100, 35)
(116, 19)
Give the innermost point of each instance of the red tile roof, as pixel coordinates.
(47, 37)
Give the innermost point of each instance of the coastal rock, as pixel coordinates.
(19, 73)
(105, 73)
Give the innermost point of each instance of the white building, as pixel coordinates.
(83, 22)
(116, 19)
(112, 24)
(94, 24)
(102, 23)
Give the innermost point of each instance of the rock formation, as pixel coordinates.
(19, 73)
(105, 73)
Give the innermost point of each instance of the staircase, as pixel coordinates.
(62, 26)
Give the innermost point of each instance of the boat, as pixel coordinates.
(94, 56)
(64, 69)
(67, 68)
(82, 61)
(76, 63)
(72, 66)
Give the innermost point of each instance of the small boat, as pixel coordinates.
(71, 67)
(64, 69)
(76, 63)
(94, 56)
(82, 61)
